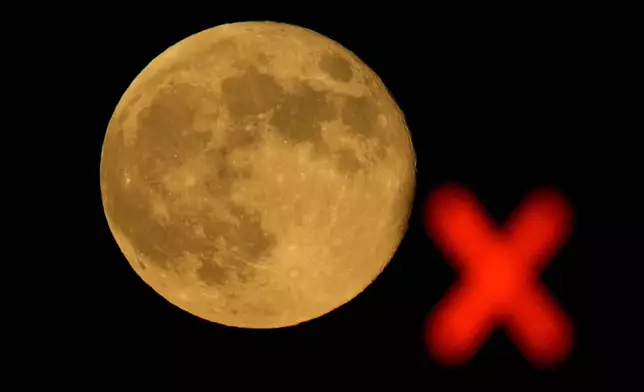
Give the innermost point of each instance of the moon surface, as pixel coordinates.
(257, 175)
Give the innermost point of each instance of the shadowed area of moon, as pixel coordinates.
(257, 175)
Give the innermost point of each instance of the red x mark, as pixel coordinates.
(499, 281)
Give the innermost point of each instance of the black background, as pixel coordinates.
(499, 104)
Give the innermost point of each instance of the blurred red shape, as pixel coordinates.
(499, 276)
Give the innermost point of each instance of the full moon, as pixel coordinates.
(257, 175)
